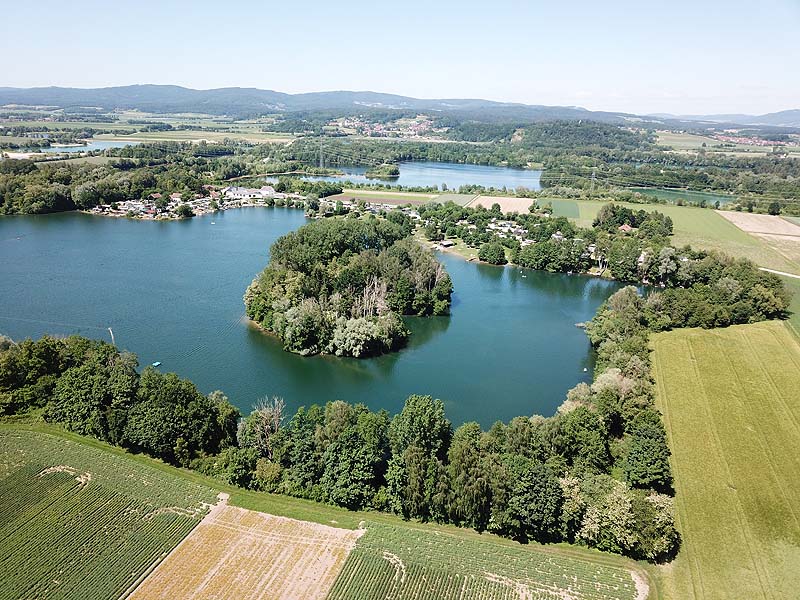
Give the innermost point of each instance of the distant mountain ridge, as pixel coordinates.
(239, 102)
(784, 118)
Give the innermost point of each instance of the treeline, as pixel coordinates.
(338, 286)
(91, 388)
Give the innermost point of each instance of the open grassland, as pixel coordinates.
(79, 523)
(732, 413)
(405, 563)
(699, 227)
(238, 553)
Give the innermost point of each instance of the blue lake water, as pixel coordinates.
(454, 175)
(172, 292)
(94, 145)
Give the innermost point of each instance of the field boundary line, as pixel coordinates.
(740, 515)
(210, 514)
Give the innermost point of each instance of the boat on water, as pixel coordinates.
(157, 363)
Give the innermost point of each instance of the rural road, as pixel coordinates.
(784, 273)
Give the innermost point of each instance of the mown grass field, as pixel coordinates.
(699, 227)
(732, 413)
(78, 523)
(462, 551)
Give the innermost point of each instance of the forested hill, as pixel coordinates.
(252, 101)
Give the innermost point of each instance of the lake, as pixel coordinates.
(454, 175)
(672, 196)
(172, 292)
(94, 145)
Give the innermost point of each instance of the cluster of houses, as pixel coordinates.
(157, 206)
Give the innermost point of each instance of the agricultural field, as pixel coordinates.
(699, 227)
(238, 553)
(793, 284)
(76, 522)
(91, 160)
(460, 199)
(731, 410)
(385, 197)
(190, 135)
(691, 143)
(781, 235)
(673, 196)
(408, 562)
(507, 204)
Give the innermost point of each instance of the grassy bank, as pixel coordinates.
(730, 408)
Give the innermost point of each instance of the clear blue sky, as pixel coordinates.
(702, 56)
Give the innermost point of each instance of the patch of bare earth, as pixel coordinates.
(247, 555)
(507, 204)
(766, 224)
(779, 234)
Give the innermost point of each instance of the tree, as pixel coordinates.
(535, 504)
(492, 252)
(184, 211)
(774, 208)
(258, 430)
(471, 491)
(647, 461)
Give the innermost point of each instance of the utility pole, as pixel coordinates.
(320, 153)
(594, 173)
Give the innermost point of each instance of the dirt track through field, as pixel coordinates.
(242, 554)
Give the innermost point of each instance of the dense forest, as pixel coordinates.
(339, 286)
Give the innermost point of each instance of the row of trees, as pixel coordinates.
(338, 286)
(91, 388)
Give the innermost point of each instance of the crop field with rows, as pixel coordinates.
(78, 522)
(406, 563)
(238, 553)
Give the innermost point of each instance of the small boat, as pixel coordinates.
(157, 363)
(212, 222)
